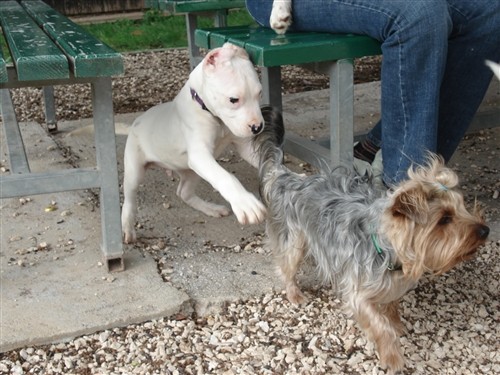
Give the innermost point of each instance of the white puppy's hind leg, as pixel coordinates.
(134, 170)
(186, 191)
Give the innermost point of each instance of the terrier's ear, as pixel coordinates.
(412, 204)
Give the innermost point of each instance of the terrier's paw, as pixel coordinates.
(294, 295)
(392, 360)
(248, 209)
(281, 16)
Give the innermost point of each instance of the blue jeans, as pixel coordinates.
(433, 72)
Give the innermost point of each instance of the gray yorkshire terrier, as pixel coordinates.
(372, 246)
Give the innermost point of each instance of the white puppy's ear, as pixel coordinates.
(217, 58)
(221, 55)
(212, 57)
(495, 67)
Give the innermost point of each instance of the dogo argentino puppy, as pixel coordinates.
(218, 106)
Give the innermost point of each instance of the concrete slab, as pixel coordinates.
(54, 286)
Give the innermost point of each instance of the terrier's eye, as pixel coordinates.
(446, 219)
(234, 100)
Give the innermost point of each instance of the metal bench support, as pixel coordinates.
(107, 165)
(105, 176)
(271, 78)
(341, 112)
(15, 145)
(50, 108)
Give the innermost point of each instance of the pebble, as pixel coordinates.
(104, 336)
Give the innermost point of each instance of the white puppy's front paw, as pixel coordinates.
(281, 16)
(248, 209)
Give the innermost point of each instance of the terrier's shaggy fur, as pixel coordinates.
(372, 246)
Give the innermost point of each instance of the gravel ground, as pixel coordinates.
(452, 321)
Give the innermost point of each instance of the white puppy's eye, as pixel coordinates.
(234, 100)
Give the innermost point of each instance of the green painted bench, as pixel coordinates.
(331, 54)
(48, 49)
(192, 10)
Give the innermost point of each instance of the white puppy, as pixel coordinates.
(281, 16)
(218, 106)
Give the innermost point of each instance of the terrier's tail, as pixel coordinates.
(269, 146)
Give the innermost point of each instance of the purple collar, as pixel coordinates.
(196, 97)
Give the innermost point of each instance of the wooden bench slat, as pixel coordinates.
(88, 56)
(34, 54)
(191, 6)
(266, 48)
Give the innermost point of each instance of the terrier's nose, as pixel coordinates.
(256, 129)
(482, 231)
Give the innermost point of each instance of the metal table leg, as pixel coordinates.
(341, 113)
(102, 102)
(50, 108)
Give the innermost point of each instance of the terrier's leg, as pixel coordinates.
(391, 311)
(380, 329)
(289, 255)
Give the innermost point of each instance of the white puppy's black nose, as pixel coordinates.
(257, 128)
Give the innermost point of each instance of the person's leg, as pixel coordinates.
(475, 38)
(414, 36)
